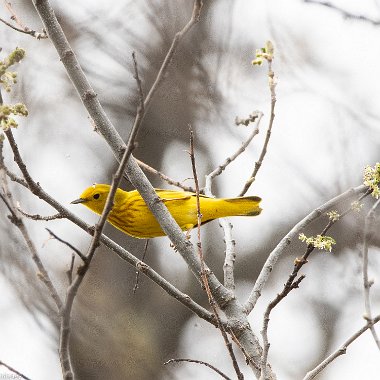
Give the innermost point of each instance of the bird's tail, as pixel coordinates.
(243, 206)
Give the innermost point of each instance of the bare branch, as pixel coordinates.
(230, 254)
(33, 33)
(37, 216)
(76, 250)
(257, 116)
(199, 362)
(74, 286)
(223, 296)
(340, 351)
(204, 273)
(285, 242)
(291, 283)
(164, 177)
(121, 252)
(138, 81)
(22, 28)
(7, 198)
(138, 272)
(368, 231)
(18, 373)
(272, 89)
(345, 14)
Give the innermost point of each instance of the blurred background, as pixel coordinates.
(325, 131)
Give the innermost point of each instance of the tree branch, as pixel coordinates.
(285, 242)
(199, 362)
(223, 296)
(345, 14)
(340, 351)
(204, 273)
(18, 373)
(368, 231)
(272, 89)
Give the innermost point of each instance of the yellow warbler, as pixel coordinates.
(131, 215)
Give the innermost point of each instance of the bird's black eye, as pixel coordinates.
(96, 196)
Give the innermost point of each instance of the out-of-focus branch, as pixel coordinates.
(344, 13)
(7, 198)
(285, 242)
(340, 351)
(17, 373)
(368, 231)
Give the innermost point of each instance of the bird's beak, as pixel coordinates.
(79, 200)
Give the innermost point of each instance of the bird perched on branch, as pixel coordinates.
(131, 215)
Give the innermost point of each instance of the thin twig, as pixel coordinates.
(18, 222)
(18, 373)
(71, 269)
(164, 177)
(257, 116)
(38, 216)
(345, 14)
(272, 89)
(340, 351)
(33, 33)
(76, 250)
(138, 81)
(368, 231)
(22, 28)
(219, 372)
(138, 272)
(204, 273)
(292, 283)
(285, 242)
(13, 177)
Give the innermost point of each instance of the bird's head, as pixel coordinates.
(94, 197)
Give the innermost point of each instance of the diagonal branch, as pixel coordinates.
(340, 351)
(345, 14)
(272, 89)
(219, 372)
(292, 283)
(285, 242)
(121, 252)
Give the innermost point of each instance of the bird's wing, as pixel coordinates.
(173, 195)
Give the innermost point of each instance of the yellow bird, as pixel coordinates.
(131, 215)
